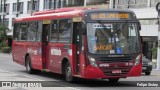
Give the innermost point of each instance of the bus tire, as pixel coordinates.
(29, 68)
(68, 73)
(113, 80)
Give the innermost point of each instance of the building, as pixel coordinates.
(144, 9)
(11, 9)
(148, 17)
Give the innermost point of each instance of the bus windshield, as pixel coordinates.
(112, 38)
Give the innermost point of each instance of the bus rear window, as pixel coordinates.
(16, 31)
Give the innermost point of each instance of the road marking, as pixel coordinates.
(37, 79)
(21, 75)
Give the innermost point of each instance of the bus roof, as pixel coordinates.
(64, 13)
(108, 10)
(60, 10)
(49, 16)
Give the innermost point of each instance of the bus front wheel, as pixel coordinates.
(68, 73)
(29, 68)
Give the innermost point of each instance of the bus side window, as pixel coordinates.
(54, 31)
(16, 31)
(65, 30)
(32, 31)
(23, 32)
(39, 31)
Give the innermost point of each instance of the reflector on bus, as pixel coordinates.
(77, 19)
(46, 21)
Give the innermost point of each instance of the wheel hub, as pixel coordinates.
(68, 72)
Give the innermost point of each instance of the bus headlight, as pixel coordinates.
(92, 62)
(137, 60)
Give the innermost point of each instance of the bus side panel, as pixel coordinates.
(35, 51)
(83, 59)
(82, 64)
(19, 51)
(55, 56)
(73, 58)
(15, 51)
(57, 53)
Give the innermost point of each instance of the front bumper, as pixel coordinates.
(92, 72)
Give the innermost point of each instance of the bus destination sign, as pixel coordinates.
(109, 16)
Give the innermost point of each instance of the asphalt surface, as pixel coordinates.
(11, 71)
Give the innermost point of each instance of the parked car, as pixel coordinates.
(146, 66)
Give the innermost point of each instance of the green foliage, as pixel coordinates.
(3, 34)
(3, 40)
(2, 44)
(6, 49)
(3, 28)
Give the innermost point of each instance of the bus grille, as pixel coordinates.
(115, 59)
(116, 63)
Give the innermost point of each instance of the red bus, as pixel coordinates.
(84, 43)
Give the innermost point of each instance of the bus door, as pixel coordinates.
(78, 41)
(45, 47)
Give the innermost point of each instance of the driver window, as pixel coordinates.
(65, 30)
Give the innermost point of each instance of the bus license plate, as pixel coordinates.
(116, 71)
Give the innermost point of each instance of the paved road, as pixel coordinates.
(11, 71)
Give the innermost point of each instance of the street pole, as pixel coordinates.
(1, 14)
(32, 4)
(17, 8)
(158, 51)
(128, 3)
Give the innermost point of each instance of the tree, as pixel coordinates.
(3, 34)
(4, 39)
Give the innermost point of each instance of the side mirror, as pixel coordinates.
(139, 25)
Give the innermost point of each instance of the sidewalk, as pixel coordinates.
(156, 72)
(4, 55)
